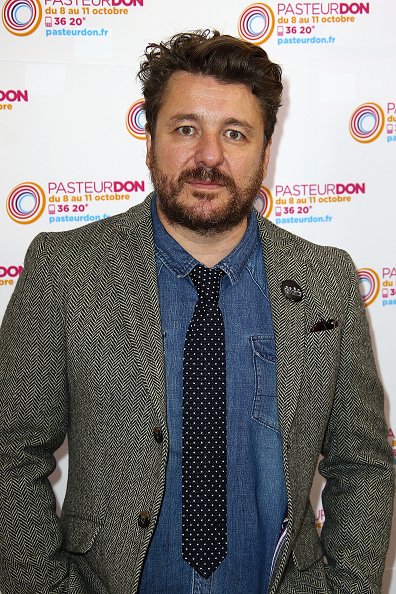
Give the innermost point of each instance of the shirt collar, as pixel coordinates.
(180, 262)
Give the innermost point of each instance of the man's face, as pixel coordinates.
(207, 160)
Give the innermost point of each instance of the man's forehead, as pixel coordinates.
(192, 93)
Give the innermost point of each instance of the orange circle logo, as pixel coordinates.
(26, 203)
(264, 202)
(369, 285)
(22, 17)
(367, 122)
(136, 119)
(256, 23)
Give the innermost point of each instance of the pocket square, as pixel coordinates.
(324, 325)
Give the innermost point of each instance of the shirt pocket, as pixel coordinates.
(265, 402)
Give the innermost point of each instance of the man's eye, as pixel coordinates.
(234, 135)
(186, 130)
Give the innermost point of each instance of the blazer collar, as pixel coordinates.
(136, 278)
(283, 263)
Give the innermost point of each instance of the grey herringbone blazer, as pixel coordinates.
(81, 354)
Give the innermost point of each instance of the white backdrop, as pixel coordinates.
(72, 132)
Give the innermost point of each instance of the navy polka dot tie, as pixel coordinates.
(204, 450)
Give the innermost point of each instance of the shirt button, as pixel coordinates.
(144, 519)
(158, 435)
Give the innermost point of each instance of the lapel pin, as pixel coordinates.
(291, 290)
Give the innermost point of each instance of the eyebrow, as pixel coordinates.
(241, 124)
(181, 117)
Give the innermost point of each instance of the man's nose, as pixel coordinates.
(209, 151)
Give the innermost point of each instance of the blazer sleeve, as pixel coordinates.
(357, 463)
(33, 424)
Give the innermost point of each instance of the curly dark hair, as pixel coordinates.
(222, 56)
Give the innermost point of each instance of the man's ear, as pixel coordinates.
(266, 158)
(148, 147)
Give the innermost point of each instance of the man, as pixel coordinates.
(199, 360)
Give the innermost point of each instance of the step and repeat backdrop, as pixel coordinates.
(72, 133)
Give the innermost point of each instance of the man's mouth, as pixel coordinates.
(205, 179)
(205, 184)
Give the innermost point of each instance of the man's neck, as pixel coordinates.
(207, 249)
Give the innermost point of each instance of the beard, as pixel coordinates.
(197, 217)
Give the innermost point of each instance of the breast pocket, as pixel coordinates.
(265, 403)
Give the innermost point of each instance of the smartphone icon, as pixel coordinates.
(48, 21)
(280, 29)
(385, 293)
(51, 209)
(389, 128)
(278, 211)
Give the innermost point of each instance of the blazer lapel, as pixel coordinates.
(282, 263)
(136, 278)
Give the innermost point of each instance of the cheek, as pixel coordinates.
(168, 163)
(244, 166)
(173, 157)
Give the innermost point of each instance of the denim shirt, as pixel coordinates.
(256, 494)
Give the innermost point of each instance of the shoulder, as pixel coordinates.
(90, 239)
(314, 255)
(75, 263)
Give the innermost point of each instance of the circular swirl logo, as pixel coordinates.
(136, 120)
(369, 285)
(256, 23)
(264, 202)
(26, 203)
(367, 122)
(22, 17)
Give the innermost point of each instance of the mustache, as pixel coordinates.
(207, 175)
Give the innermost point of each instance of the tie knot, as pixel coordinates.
(207, 282)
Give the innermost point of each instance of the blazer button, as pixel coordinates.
(144, 519)
(158, 435)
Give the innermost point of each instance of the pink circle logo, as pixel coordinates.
(26, 203)
(136, 120)
(367, 122)
(264, 202)
(22, 17)
(369, 285)
(256, 23)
